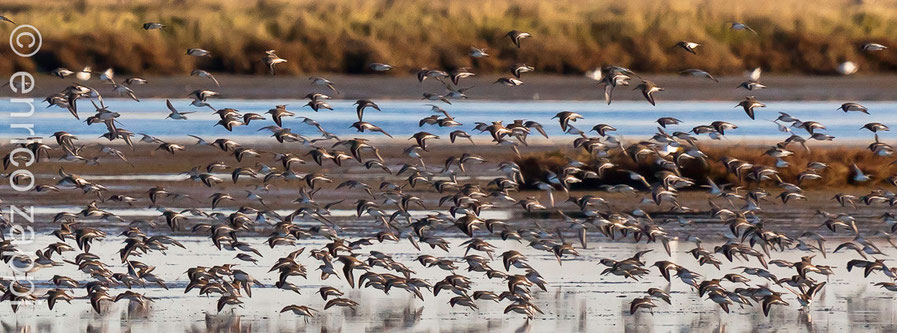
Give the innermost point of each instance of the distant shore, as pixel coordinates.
(346, 36)
(543, 87)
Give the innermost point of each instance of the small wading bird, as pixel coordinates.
(284, 204)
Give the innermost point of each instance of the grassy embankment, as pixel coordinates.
(343, 36)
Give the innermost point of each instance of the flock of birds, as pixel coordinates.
(391, 204)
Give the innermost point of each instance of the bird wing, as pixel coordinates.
(608, 93)
(650, 97)
(170, 107)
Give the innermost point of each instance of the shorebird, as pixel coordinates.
(850, 106)
(412, 204)
(509, 81)
(174, 112)
(300, 310)
(847, 68)
(422, 137)
(135, 81)
(748, 104)
(648, 89)
(698, 73)
(750, 85)
(518, 69)
(688, 46)
(875, 127)
(362, 104)
(226, 300)
(362, 126)
(202, 73)
(436, 74)
(477, 52)
(318, 104)
(753, 80)
(602, 129)
(639, 303)
(379, 67)
(271, 59)
(460, 74)
(666, 121)
(320, 81)
(565, 117)
(516, 36)
(872, 47)
(740, 26)
(343, 302)
(858, 175)
(610, 77)
(435, 97)
(84, 74)
(201, 96)
(197, 52)
(152, 25)
(62, 72)
(279, 111)
(770, 300)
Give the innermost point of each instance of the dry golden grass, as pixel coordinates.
(570, 36)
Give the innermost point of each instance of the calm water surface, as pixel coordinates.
(400, 117)
(578, 297)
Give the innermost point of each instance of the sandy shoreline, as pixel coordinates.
(541, 87)
(163, 169)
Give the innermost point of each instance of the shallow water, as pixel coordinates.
(400, 117)
(578, 297)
